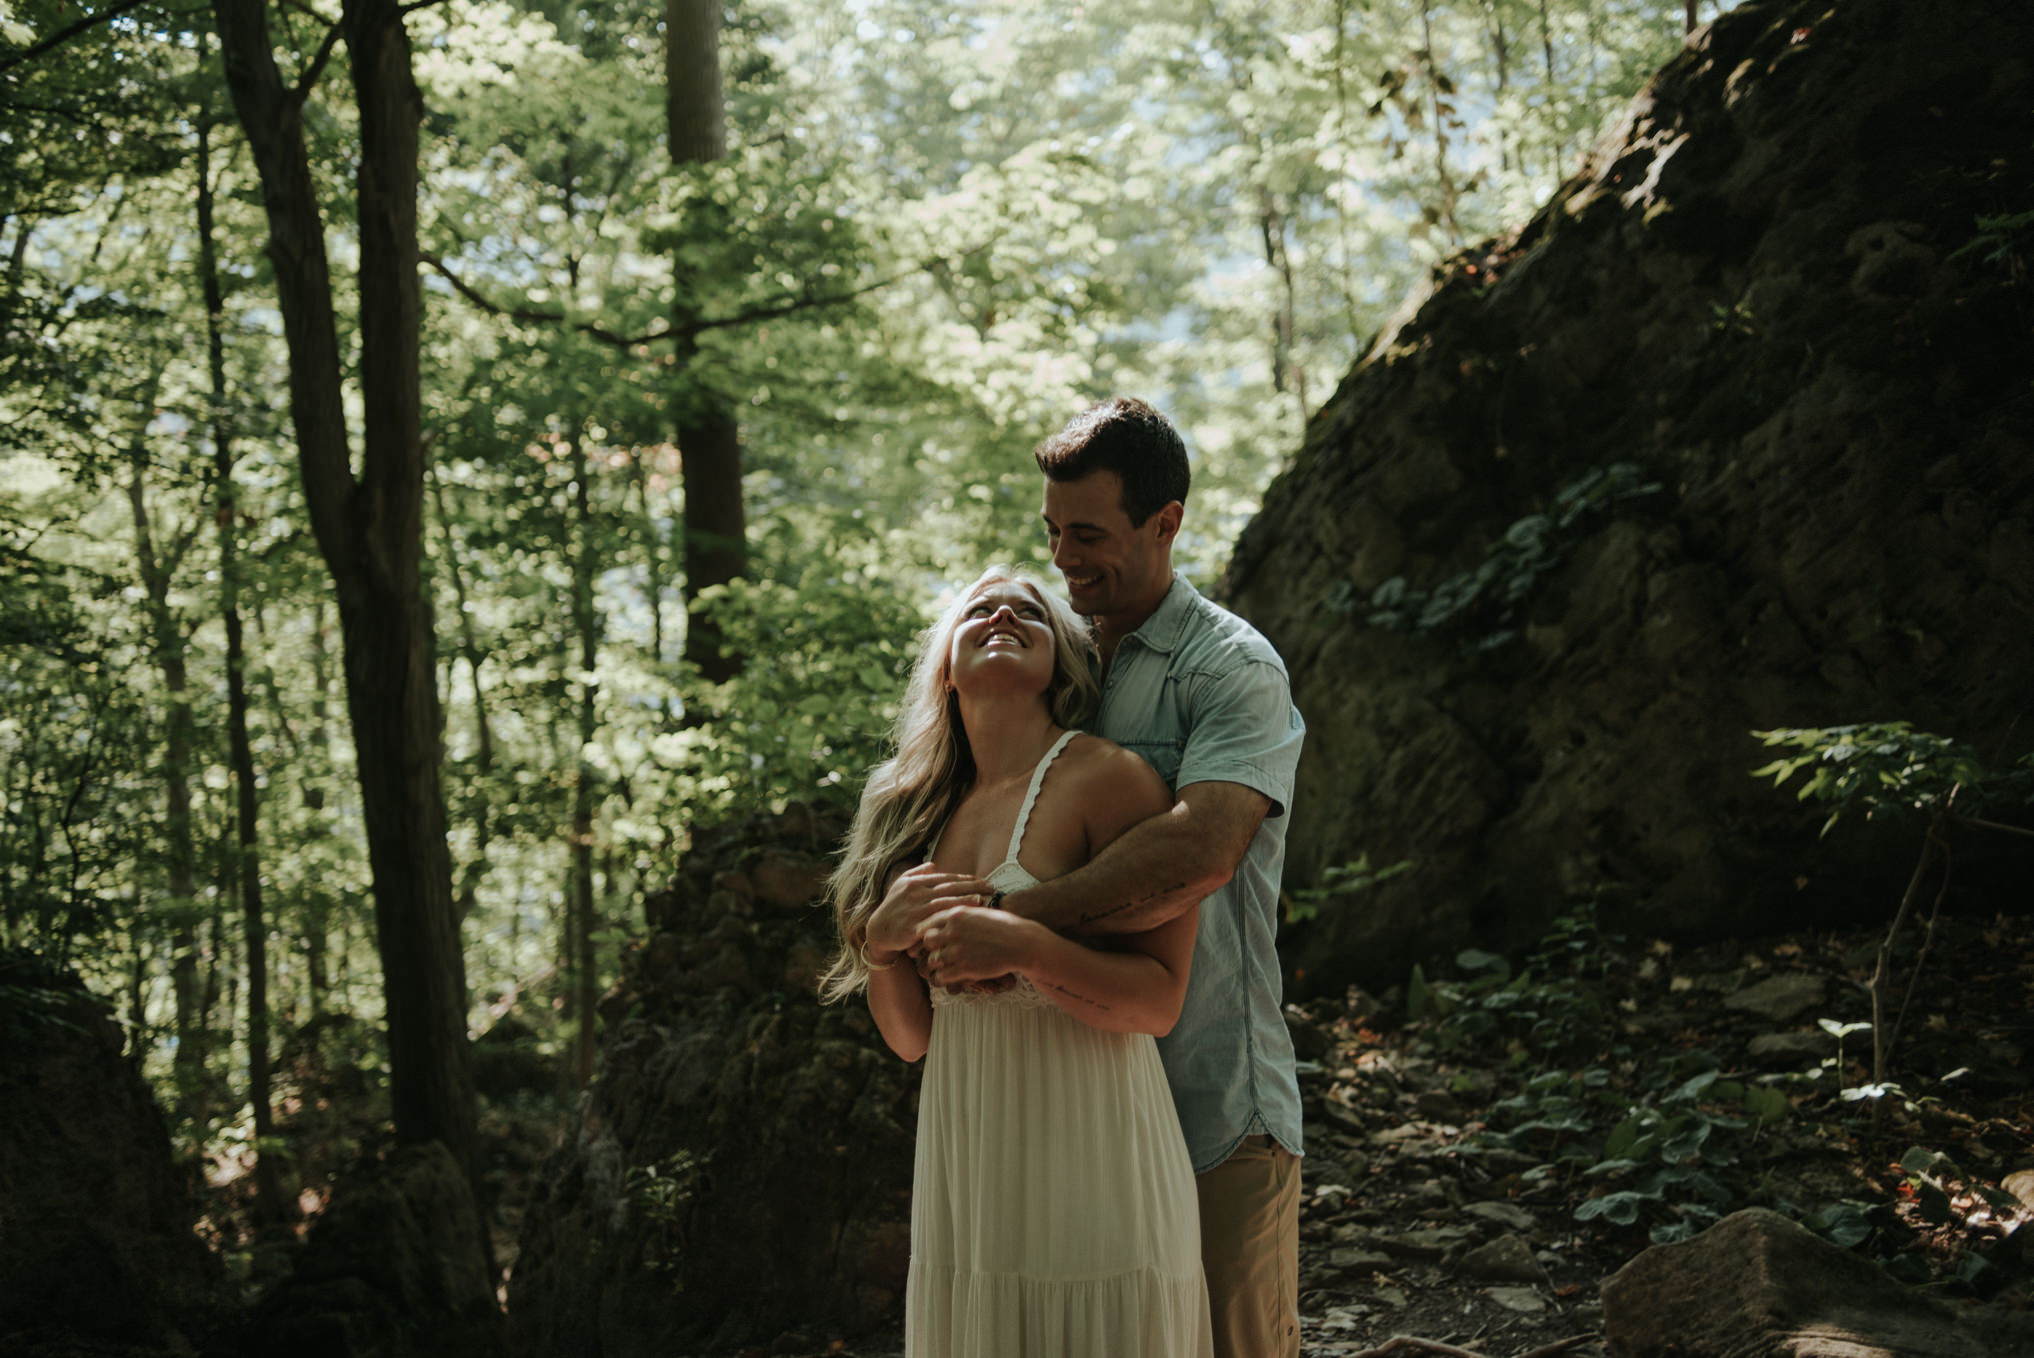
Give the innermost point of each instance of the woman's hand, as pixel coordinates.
(915, 896)
(967, 943)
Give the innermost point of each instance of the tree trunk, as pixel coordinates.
(318, 901)
(653, 559)
(1449, 193)
(694, 116)
(137, 992)
(587, 624)
(483, 755)
(1287, 375)
(709, 439)
(167, 632)
(370, 530)
(272, 1205)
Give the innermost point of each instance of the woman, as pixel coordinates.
(1053, 1209)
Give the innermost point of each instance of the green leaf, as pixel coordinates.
(1919, 1160)
(1621, 1209)
(1764, 1103)
(1419, 1001)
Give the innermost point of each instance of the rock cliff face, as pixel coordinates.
(95, 1219)
(1734, 434)
(741, 1167)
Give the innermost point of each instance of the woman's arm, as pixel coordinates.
(902, 1008)
(898, 999)
(1138, 989)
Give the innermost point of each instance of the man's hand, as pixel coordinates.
(971, 943)
(914, 897)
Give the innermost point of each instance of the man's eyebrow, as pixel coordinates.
(1068, 527)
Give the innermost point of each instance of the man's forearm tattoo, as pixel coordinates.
(1096, 916)
(1082, 998)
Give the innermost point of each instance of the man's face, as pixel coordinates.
(1110, 567)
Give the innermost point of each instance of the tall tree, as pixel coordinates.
(370, 529)
(709, 437)
(273, 1204)
(168, 634)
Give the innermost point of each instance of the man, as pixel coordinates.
(1204, 698)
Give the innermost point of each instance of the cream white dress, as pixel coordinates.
(1052, 1211)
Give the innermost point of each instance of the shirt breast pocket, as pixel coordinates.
(1162, 755)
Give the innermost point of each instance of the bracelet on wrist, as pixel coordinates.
(862, 949)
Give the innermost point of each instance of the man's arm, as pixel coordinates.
(1154, 871)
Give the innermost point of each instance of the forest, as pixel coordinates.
(474, 471)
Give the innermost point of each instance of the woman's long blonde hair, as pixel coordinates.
(909, 796)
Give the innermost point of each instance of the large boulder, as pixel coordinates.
(396, 1267)
(95, 1217)
(1734, 434)
(740, 1169)
(1757, 1285)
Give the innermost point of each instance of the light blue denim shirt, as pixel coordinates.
(1204, 698)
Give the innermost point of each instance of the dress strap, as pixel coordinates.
(1031, 793)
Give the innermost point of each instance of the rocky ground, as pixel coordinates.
(1474, 1174)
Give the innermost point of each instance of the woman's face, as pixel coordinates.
(1003, 641)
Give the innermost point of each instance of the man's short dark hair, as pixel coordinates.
(1125, 436)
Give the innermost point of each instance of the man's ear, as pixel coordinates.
(1168, 521)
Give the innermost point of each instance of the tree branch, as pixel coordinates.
(1991, 825)
(64, 35)
(302, 90)
(762, 311)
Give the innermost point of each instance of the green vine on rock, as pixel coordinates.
(1495, 591)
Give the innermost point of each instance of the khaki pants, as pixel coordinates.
(1250, 1250)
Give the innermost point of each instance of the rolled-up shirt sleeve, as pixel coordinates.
(1243, 729)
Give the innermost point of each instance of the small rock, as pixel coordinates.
(1507, 1259)
(1780, 998)
(1360, 1005)
(1503, 1213)
(1436, 1242)
(2020, 1183)
(1521, 1299)
(1786, 1050)
(1390, 1296)
(1309, 1043)
(1350, 1259)
(1438, 1105)
(1341, 1115)
(1327, 1197)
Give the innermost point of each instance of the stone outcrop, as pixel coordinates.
(740, 1170)
(1735, 434)
(95, 1218)
(394, 1268)
(1757, 1285)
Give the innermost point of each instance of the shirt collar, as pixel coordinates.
(1162, 630)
